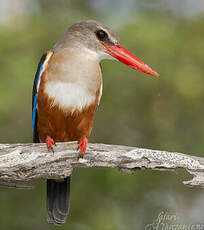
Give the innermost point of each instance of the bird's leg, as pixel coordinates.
(82, 146)
(50, 142)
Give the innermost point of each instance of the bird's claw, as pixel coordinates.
(50, 142)
(82, 147)
(80, 156)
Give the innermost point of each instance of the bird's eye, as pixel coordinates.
(101, 35)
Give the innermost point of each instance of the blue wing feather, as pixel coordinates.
(34, 112)
(34, 98)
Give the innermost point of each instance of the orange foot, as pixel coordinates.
(82, 146)
(50, 142)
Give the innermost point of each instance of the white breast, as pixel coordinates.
(69, 95)
(73, 78)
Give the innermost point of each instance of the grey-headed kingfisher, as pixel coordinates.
(67, 90)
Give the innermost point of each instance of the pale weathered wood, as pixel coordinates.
(23, 162)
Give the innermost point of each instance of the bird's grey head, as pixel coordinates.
(101, 43)
(88, 34)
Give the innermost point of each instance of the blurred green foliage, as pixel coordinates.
(136, 109)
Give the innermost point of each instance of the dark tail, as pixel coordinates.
(58, 196)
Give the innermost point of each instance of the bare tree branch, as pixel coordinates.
(23, 162)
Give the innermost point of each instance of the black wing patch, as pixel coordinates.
(34, 99)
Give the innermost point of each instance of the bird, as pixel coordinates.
(66, 93)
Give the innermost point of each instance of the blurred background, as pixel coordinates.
(135, 110)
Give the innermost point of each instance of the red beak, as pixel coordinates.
(126, 57)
